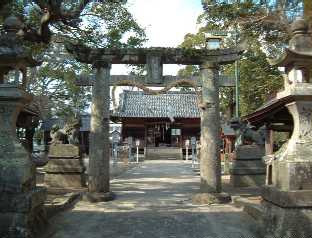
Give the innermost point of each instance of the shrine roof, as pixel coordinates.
(142, 105)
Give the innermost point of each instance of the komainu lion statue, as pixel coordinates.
(72, 131)
(69, 133)
(57, 135)
(246, 134)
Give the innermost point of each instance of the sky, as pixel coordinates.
(166, 22)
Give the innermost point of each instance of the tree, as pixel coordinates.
(265, 20)
(40, 15)
(49, 24)
(55, 81)
(263, 28)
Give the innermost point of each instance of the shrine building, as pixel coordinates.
(162, 123)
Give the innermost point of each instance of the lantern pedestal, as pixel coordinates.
(20, 200)
(288, 193)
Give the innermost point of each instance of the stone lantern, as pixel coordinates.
(20, 200)
(288, 192)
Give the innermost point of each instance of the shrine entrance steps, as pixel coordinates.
(163, 153)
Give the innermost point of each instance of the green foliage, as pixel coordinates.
(258, 81)
(263, 29)
(100, 24)
(263, 20)
(55, 81)
(188, 71)
(109, 25)
(194, 40)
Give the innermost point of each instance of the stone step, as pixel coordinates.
(252, 206)
(163, 153)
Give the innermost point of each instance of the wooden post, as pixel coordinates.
(269, 142)
(99, 134)
(210, 164)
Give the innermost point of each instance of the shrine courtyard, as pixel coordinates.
(153, 200)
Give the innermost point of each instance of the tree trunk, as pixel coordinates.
(99, 134)
(308, 11)
(210, 164)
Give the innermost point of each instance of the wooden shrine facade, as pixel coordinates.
(158, 121)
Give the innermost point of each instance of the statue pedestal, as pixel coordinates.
(65, 168)
(288, 192)
(20, 200)
(248, 169)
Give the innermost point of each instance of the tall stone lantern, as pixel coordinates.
(20, 200)
(288, 192)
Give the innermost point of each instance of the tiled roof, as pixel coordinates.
(172, 104)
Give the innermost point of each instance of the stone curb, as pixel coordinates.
(62, 203)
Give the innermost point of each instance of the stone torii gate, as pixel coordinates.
(154, 58)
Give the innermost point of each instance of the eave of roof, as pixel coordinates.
(272, 107)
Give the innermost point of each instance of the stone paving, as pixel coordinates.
(153, 200)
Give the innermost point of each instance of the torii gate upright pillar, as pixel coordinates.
(210, 164)
(99, 135)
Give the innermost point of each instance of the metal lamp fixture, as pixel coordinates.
(137, 142)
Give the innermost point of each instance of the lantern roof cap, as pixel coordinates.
(300, 46)
(12, 23)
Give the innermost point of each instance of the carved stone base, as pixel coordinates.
(248, 169)
(65, 180)
(287, 199)
(65, 168)
(253, 180)
(287, 222)
(292, 175)
(64, 151)
(21, 203)
(22, 214)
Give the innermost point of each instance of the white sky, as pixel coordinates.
(166, 22)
